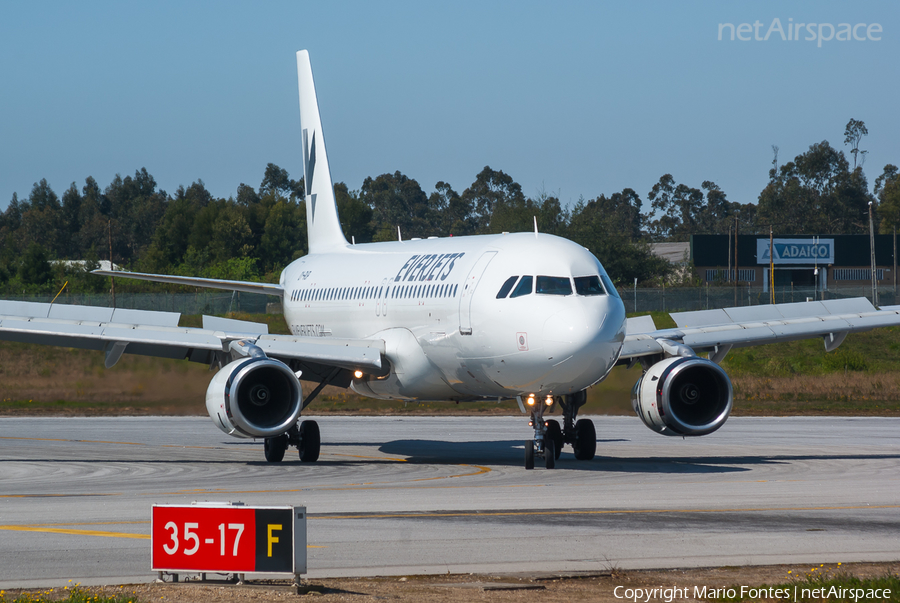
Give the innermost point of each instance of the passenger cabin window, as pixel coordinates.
(507, 287)
(524, 287)
(553, 285)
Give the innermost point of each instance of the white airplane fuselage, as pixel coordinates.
(447, 334)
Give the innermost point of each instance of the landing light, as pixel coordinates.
(549, 401)
(530, 400)
(358, 374)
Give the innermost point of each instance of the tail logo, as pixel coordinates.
(309, 160)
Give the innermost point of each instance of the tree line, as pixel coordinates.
(253, 234)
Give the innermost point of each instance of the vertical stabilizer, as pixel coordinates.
(323, 225)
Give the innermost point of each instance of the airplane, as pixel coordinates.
(525, 316)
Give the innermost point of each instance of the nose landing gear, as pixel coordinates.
(544, 443)
(549, 436)
(546, 436)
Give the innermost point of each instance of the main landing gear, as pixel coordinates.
(305, 437)
(550, 437)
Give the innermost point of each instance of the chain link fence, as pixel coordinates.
(211, 302)
(678, 299)
(683, 299)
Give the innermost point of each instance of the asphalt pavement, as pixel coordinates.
(392, 496)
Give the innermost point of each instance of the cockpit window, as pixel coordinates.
(588, 285)
(507, 287)
(554, 285)
(523, 288)
(608, 284)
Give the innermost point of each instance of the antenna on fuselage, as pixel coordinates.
(535, 227)
(399, 236)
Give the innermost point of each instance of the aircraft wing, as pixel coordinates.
(118, 331)
(717, 331)
(194, 281)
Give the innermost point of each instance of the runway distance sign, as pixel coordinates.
(228, 538)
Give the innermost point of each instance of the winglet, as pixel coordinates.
(323, 225)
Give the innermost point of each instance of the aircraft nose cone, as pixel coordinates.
(581, 343)
(562, 332)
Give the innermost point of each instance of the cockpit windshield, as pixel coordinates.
(523, 288)
(553, 285)
(556, 285)
(507, 287)
(588, 285)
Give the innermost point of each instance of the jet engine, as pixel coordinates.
(683, 396)
(254, 398)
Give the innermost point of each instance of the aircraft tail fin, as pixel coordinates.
(322, 222)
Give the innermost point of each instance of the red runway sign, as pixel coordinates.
(228, 539)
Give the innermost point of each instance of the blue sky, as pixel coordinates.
(579, 99)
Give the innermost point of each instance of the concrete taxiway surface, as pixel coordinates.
(439, 494)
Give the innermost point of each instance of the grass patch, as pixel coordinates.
(67, 595)
(862, 378)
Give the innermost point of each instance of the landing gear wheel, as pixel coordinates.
(529, 454)
(310, 441)
(585, 444)
(549, 453)
(554, 432)
(275, 447)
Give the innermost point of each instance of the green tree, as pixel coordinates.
(397, 201)
(816, 193)
(135, 208)
(283, 236)
(170, 240)
(454, 212)
(275, 180)
(887, 190)
(674, 210)
(610, 227)
(490, 188)
(355, 214)
(231, 237)
(42, 219)
(35, 267)
(853, 135)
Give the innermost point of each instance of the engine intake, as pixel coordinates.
(683, 397)
(254, 398)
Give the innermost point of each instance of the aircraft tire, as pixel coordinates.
(275, 448)
(554, 432)
(310, 441)
(529, 454)
(585, 440)
(549, 453)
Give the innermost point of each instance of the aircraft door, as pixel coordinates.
(468, 291)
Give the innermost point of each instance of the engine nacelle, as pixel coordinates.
(683, 396)
(254, 398)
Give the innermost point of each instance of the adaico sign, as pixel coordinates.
(796, 251)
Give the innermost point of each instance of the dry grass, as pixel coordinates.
(862, 378)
